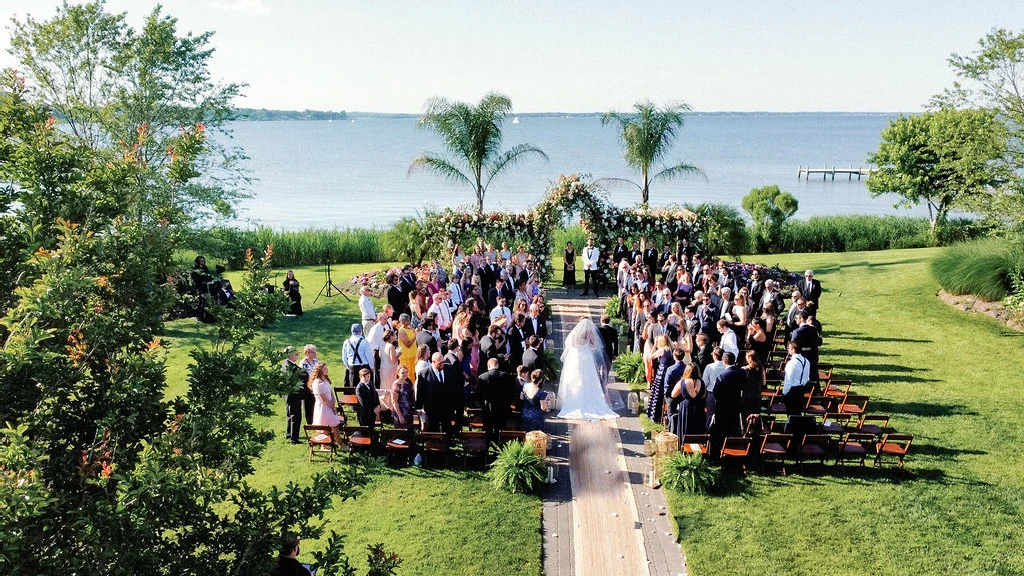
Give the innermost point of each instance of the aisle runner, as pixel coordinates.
(606, 530)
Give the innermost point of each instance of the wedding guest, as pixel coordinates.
(689, 393)
(287, 565)
(295, 399)
(369, 399)
(406, 339)
(396, 298)
(366, 309)
(751, 392)
(724, 414)
(325, 411)
(355, 353)
(496, 390)
(416, 310)
(309, 358)
(375, 337)
(569, 266)
(535, 325)
(291, 289)
(390, 360)
(421, 361)
(402, 399)
(535, 402)
(533, 358)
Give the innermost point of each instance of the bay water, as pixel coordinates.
(353, 173)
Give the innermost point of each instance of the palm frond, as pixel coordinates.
(617, 181)
(511, 157)
(680, 170)
(440, 167)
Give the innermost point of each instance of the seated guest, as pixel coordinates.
(225, 294)
(535, 402)
(287, 565)
(369, 399)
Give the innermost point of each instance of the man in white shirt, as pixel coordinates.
(455, 289)
(366, 309)
(728, 342)
(442, 314)
(502, 310)
(356, 354)
(798, 374)
(714, 370)
(375, 338)
(591, 256)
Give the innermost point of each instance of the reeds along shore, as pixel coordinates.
(315, 246)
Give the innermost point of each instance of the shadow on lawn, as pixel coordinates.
(848, 352)
(922, 409)
(889, 373)
(844, 335)
(866, 264)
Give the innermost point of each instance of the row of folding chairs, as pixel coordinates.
(775, 446)
(401, 443)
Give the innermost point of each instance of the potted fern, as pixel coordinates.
(688, 473)
(517, 468)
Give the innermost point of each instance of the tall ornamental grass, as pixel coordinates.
(309, 247)
(984, 268)
(854, 233)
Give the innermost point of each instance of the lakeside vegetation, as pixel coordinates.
(265, 115)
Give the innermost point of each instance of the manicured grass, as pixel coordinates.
(949, 378)
(439, 522)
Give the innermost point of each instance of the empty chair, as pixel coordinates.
(837, 388)
(817, 405)
(736, 448)
(775, 446)
(895, 445)
(475, 418)
(824, 373)
(873, 424)
(506, 436)
(853, 404)
(397, 442)
(357, 439)
(812, 447)
(853, 447)
(691, 443)
(837, 424)
(434, 444)
(758, 424)
(474, 444)
(321, 442)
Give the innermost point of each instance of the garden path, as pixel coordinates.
(599, 518)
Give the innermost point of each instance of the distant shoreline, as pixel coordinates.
(268, 115)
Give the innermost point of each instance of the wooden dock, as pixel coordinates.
(825, 172)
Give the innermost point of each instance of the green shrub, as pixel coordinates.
(574, 234)
(688, 473)
(629, 368)
(769, 207)
(984, 268)
(408, 241)
(723, 230)
(516, 469)
(650, 427)
(611, 308)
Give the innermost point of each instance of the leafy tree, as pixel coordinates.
(101, 472)
(769, 208)
(944, 158)
(473, 137)
(722, 231)
(647, 137)
(993, 77)
(121, 90)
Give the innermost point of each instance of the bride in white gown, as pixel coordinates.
(581, 386)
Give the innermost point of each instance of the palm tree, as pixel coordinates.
(647, 136)
(472, 135)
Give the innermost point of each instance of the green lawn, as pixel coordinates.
(949, 378)
(439, 522)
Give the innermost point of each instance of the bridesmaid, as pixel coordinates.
(569, 268)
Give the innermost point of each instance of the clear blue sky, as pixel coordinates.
(390, 56)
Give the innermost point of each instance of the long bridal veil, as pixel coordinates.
(582, 385)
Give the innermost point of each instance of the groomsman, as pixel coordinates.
(591, 256)
(621, 251)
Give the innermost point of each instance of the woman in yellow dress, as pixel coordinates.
(407, 345)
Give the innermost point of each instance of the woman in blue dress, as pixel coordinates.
(535, 402)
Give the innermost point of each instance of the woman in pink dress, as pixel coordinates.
(325, 410)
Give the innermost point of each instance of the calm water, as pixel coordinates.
(341, 174)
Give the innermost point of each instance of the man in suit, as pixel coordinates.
(707, 314)
(517, 341)
(407, 282)
(636, 254)
(496, 390)
(456, 385)
(426, 335)
(772, 295)
(620, 252)
(399, 302)
(591, 257)
(668, 272)
(533, 358)
(755, 290)
(808, 340)
(702, 354)
(293, 402)
(431, 395)
(610, 337)
(369, 399)
(726, 419)
(650, 257)
(810, 289)
(536, 325)
(493, 346)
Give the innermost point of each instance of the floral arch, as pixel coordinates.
(568, 195)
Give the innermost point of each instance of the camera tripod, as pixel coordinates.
(328, 284)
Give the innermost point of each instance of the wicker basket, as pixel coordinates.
(666, 443)
(538, 442)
